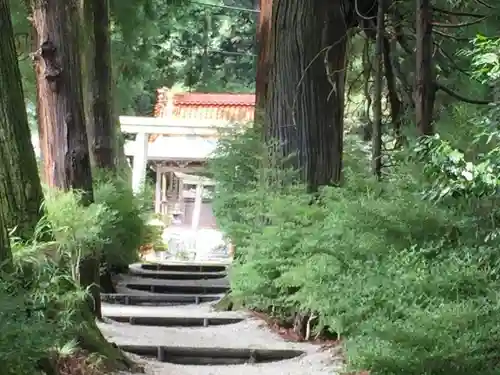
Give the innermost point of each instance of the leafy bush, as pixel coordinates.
(403, 271)
(78, 231)
(235, 167)
(43, 316)
(114, 226)
(39, 307)
(128, 230)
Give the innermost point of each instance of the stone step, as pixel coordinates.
(178, 289)
(177, 311)
(157, 299)
(211, 356)
(184, 267)
(173, 321)
(137, 270)
(123, 280)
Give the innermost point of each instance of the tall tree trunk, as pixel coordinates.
(305, 102)
(20, 189)
(5, 252)
(335, 39)
(367, 129)
(104, 145)
(88, 53)
(392, 94)
(377, 101)
(104, 140)
(424, 87)
(61, 109)
(100, 122)
(263, 46)
(60, 96)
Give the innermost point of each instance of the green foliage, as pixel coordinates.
(43, 308)
(78, 231)
(158, 43)
(452, 174)
(115, 226)
(40, 310)
(128, 230)
(235, 167)
(408, 282)
(485, 55)
(183, 45)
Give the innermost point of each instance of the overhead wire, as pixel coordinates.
(222, 52)
(250, 10)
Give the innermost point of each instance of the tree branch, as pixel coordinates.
(459, 14)
(453, 94)
(399, 33)
(453, 63)
(483, 3)
(457, 25)
(455, 38)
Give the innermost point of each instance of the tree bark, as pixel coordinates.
(102, 144)
(392, 94)
(20, 189)
(305, 99)
(263, 45)
(377, 101)
(88, 53)
(424, 87)
(335, 39)
(5, 252)
(61, 111)
(62, 118)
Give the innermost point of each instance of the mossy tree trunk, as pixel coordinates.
(101, 128)
(377, 97)
(104, 140)
(87, 51)
(97, 80)
(62, 117)
(263, 46)
(63, 135)
(425, 90)
(5, 252)
(20, 191)
(305, 98)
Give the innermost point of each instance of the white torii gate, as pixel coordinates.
(145, 126)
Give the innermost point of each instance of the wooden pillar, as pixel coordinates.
(169, 108)
(158, 191)
(180, 197)
(195, 223)
(164, 186)
(140, 162)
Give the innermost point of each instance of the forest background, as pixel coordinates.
(366, 212)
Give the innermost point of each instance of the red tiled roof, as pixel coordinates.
(205, 106)
(214, 106)
(219, 100)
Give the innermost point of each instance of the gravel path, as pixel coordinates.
(250, 333)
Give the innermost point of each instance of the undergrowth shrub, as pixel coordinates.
(404, 271)
(235, 166)
(44, 316)
(115, 225)
(128, 231)
(40, 307)
(77, 231)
